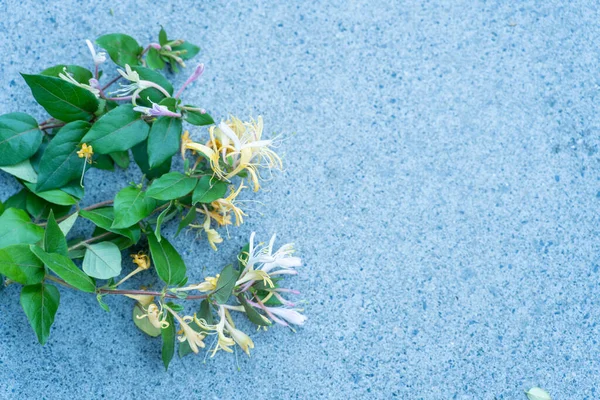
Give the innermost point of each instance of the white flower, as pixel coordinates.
(136, 86)
(156, 111)
(65, 76)
(99, 58)
(290, 315)
(281, 259)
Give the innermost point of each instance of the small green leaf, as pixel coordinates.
(121, 158)
(189, 50)
(61, 99)
(23, 170)
(66, 269)
(17, 200)
(101, 303)
(122, 49)
(78, 73)
(167, 261)
(118, 130)
(66, 225)
(537, 393)
(171, 186)
(140, 155)
(254, 316)
(102, 260)
(159, 221)
(162, 36)
(188, 219)
(143, 323)
(208, 190)
(104, 218)
(60, 163)
(40, 303)
(19, 264)
(104, 162)
(54, 239)
(225, 285)
(153, 59)
(131, 206)
(20, 138)
(17, 228)
(198, 118)
(168, 341)
(53, 196)
(39, 208)
(163, 140)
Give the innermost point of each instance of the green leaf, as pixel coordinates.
(197, 118)
(23, 170)
(18, 263)
(131, 206)
(208, 190)
(66, 269)
(40, 303)
(104, 218)
(140, 155)
(102, 260)
(121, 158)
(17, 200)
(153, 59)
(54, 239)
(254, 316)
(53, 196)
(163, 140)
(104, 162)
(20, 138)
(39, 208)
(66, 225)
(78, 73)
(168, 341)
(188, 219)
(118, 130)
(171, 186)
(60, 163)
(162, 36)
(101, 303)
(225, 284)
(152, 95)
(167, 261)
(189, 50)
(143, 323)
(61, 99)
(159, 221)
(122, 49)
(17, 228)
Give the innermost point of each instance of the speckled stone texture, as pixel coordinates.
(441, 184)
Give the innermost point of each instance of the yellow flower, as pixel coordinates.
(141, 260)
(154, 315)
(209, 284)
(241, 339)
(194, 339)
(86, 152)
(213, 236)
(226, 205)
(185, 140)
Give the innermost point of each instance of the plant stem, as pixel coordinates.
(90, 240)
(92, 207)
(116, 78)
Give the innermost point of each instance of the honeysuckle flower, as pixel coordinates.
(290, 315)
(143, 299)
(209, 284)
(195, 75)
(156, 111)
(141, 260)
(99, 57)
(210, 154)
(86, 152)
(282, 258)
(213, 236)
(154, 315)
(226, 205)
(194, 339)
(244, 149)
(255, 275)
(66, 76)
(240, 338)
(136, 86)
(155, 46)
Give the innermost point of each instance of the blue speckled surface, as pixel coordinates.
(441, 183)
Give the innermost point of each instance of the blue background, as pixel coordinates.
(441, 184)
